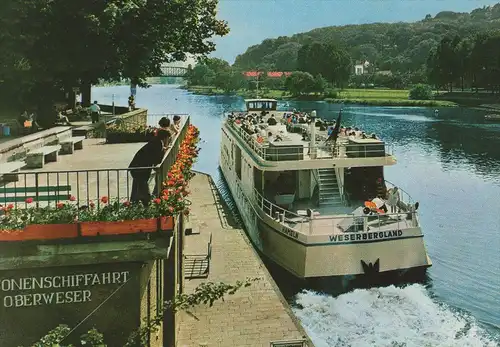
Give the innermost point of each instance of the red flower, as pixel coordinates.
(91, 204)
(72, 198)
(10, 206)
(60, 205)
(29, 200)
(126, 203)
(157, 201)
(104, 199)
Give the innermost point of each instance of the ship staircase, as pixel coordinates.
(329, 192)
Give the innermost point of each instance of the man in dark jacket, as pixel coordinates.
(150, 155)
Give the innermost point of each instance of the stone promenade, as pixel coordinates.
(254, 316)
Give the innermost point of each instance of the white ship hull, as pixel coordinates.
(326, 242)
(398, 252)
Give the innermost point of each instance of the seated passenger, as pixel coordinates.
(272, 120)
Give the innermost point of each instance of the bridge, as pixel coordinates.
(173, 71)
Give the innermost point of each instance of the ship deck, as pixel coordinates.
(333, 219)
(292, 141)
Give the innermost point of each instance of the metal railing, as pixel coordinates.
(280, 151)
(347, 222)
(278, 213)
(25, 189)
(405, 197)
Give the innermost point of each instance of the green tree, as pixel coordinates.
(56, 45)
(320, 84)
(328, 60)
(421, 92)
(229, 80)
(444, 62)
(300, 82)
(200, 75)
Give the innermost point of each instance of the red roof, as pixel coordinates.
(272, 74)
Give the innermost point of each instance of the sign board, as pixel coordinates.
(289, 343)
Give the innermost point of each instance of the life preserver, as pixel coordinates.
(260, 139)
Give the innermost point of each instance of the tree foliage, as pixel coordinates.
(55, 45)
(468, 61)
(399, 47)
(421, 92)
(327, 60)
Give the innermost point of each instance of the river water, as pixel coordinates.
(450, 162)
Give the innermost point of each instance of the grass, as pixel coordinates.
(375, 97)
(374, 94)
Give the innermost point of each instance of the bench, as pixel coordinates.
(72, 144)
(198, 265)
(7, 170)
(36, 159)
(45, 193)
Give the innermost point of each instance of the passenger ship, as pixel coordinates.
(318, 208)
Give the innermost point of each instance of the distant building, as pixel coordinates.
(271, 74)
(361, 67)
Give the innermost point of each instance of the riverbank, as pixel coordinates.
(373, 97)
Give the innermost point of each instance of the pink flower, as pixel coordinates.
(29, 200)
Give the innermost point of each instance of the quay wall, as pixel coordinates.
(254, 316)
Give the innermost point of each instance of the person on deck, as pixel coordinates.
(272, 120)
(150, 155)
(393, 198)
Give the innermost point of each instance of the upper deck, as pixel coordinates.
(291, 146)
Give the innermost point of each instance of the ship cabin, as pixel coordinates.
(259, 105)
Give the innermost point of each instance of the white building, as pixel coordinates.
(360, 68)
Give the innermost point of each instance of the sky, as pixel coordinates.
(252, 21)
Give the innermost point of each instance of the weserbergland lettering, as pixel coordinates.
(26, 284)
(377, 235)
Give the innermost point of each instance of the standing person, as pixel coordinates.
(176, 126)
(393, 198)
(95, 112)
(151, 154)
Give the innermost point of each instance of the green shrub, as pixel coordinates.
(421, 92)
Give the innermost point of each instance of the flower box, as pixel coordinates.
(126, 226)
(41, 232)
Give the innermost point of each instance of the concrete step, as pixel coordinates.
(329, 198)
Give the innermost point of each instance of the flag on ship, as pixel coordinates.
(335, 133)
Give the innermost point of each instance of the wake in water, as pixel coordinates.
(386, 317)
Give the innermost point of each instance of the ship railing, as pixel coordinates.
(280, 214)
(322, 150)
(328, 224)
(351, 223)
(404, 196)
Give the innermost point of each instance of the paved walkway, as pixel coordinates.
(255, 315)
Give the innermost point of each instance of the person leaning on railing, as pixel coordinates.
(150, 155)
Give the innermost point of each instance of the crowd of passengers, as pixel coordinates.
(256, 125)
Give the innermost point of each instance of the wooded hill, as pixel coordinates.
(389, 46)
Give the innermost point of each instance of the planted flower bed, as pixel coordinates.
(128, 134)
(110, 217)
